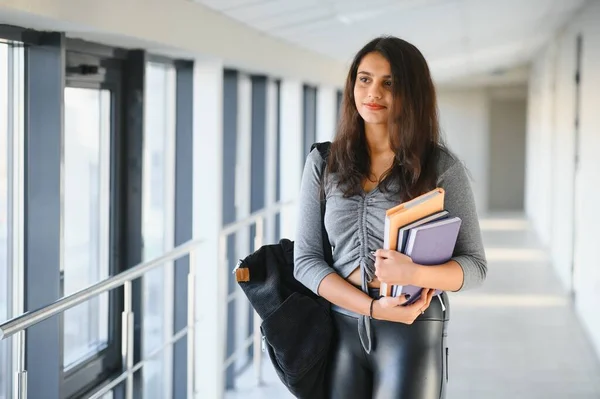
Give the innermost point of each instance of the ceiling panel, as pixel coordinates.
(230, 5)
(344, 40)
(375, 10)
(313, 30)
(255, 12)
(560, 12)
(506, 15)
(456, 36)
(445, 19)
(297, 18)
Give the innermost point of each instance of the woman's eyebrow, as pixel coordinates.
(370, 74)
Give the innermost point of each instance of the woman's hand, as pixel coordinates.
(393, 267)
(390, 309)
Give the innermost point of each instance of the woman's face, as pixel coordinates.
(373, 89)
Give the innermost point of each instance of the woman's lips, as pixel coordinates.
(374, 107)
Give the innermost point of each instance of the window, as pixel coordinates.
(91, 224)
(86, 218)
(158, 213)
(11, 183)
(4, 284)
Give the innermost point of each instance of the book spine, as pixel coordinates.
(384, 289)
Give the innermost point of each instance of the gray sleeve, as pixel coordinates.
(459, 201)
(310, 267)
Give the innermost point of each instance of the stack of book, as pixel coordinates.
(423, 230)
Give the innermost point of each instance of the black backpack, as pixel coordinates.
(297, 326)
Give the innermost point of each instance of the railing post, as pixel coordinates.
(21, 376)
(127, 338)
(222, 310)
(191, 327)
(257, 347)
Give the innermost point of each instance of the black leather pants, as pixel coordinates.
(406, 361)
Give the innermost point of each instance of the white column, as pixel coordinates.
(290, 151)
(16, 144)
(326, 113)
(242, 202)
(169, 233)
(271, 157)
(208, 187)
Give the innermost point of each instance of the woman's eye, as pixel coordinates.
(388, 83)
(364, 80)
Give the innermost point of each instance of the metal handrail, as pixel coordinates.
(254, 217)
(31, 318)
(18, 325)
(255, 338)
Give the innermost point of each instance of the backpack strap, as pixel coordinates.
(324, 149)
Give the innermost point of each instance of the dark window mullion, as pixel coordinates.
(258, 168)
(309, 119)
(183, 214)
(44, 88)
(132, 249)
(230, 128)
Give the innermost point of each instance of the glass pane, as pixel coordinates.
(109, 395)
(157, 213)
(86, 200)
(11, 203)
(4, 156)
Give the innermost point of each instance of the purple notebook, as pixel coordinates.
(430, 244)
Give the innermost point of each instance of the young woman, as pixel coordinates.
(387, 150)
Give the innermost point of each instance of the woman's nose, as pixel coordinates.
(375, 91)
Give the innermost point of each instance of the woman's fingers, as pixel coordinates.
(423, 299)
(430, 296)
(391, 301)
(409, 313)
(427, 297)
(421, 304)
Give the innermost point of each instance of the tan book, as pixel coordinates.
(406, 213)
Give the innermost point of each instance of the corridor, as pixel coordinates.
(516, 337)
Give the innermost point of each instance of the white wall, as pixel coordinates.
(508, 123)
(587, 267)
(550, 164)
(564, 172)
(179, 28)
(556, 131)
(539, 166)
(464, 119)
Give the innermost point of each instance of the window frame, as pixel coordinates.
(91, 373)
(166, 356)
(12, 37)
(46, 56)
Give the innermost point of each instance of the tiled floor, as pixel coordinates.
(516, 337)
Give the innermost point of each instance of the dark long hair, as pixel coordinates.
(413, 126)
